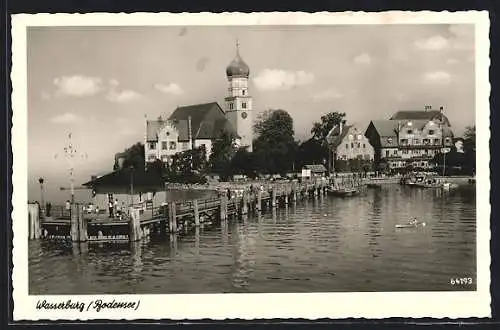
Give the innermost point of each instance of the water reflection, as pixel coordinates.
(324, 244)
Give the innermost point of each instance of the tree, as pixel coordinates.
(321, 129)
(243, 162)
(311, 151)
(223, 151)
(275, 146)
(132, 156)
(470, 138)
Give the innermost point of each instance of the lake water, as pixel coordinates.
(329, 244)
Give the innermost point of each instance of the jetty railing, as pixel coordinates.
(142, 220)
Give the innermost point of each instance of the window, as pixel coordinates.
(417, 141)
(431, 132)
(410, 131)
(231, 106)
(389, 140)
(152, 145)
(437, 141)
(173, 145)
(387, 153)
(447, 140)
(404, 141)
(243, 92)
(164, 145)
(152, 158)
(352, 145)
(426, 141)
(359, 145)
(364, 145)
(244, 105)
(347, 145)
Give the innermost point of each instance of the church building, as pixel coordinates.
(198, 125)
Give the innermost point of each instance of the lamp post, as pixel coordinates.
(131, 167)
(42, 199)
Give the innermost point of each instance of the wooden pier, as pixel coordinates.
(172, 217)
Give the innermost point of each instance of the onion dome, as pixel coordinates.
(237, 67)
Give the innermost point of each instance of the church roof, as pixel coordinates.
(208, 121)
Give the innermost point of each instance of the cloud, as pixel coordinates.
(123, 96)
(171, 88)
(329, 94)
(124, 127)
(45, 96)
(363, 59)
(77, 85)
(273, 79)
(435, 42)
(113, 83)
(437, 77)
(452, 61)
(66, 118)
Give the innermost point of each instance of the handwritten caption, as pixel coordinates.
(97, 305)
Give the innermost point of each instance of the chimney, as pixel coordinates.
(441, 109)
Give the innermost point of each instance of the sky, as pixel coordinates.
(98, 83)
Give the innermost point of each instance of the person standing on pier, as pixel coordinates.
(110, 206)
(68, 208)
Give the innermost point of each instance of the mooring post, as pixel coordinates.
(244, 207)
(82, 225)
(75, 228)
(223, 208)
(135, 233)
(196, 213)
(273, 197)
(258, 205)
(172, 217)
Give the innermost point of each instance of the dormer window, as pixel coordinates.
(410, 131)
(389, 140)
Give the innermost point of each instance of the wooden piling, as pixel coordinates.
(78, 224)
(82, 225)
(244, 207)
(196, 213)
(258, 205)
(172, 217)
(35, 229)
(135, 233)
(75, 235)
(223, 208)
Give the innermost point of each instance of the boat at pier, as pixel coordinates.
(342, 192)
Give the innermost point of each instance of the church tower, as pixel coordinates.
(238, 105)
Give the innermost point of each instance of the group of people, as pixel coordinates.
(115, 208)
